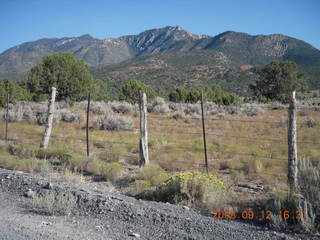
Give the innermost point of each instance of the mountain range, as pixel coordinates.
(171, 56)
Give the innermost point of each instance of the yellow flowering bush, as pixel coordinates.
(192, 188)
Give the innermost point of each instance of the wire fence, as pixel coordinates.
(158, 126)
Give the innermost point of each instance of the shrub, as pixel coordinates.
(121, 107)
(60, 154)
(93, 166)
(304, 112)
(67, 116)
(308, 203)
(42, 118)
(233, 109)
(139, 186)
(178, 115)
(158, 106)
(149, 171)
(51, 203)
(310, 122)
(252, 110)
(309, 186)
(113, 123)
(100, 108)
(192, 189)
(192, 109)
(15, 114)
(111, 171)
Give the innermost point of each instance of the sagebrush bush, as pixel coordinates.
(309, 186)
(52, 203)
(191, 109)
(113, 123)
(158, 105)
(93, 166)
(304, 112)
(307, 202)
(122, 107)
(15, 114)
(41, 118)
(67, 116)
(233, 109)
(149, 171)
(111, 171)
(311, 122)
(252, 109)
(100, 108)
(178, 115)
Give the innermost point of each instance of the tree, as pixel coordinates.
(277, 80)
(178, 95)
(62, 70)
(193, 96)
(130, 91)
(16, 92)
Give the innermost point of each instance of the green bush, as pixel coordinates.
(213, 94)
(130, 92)
(16, 92)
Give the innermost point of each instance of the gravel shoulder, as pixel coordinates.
(103, 214)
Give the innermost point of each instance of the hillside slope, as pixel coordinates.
(241, 50)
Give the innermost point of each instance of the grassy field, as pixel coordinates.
(241, 148)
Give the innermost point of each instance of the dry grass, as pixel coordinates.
(250, 149)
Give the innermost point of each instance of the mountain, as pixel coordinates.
(225, 56)
(166, 71)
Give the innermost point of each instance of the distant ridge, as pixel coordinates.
(238, 49)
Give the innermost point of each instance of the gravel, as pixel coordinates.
(102, 214)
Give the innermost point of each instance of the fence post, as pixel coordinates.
(87, 126)
(143, 146)
(45, 141)
(204, 135)
(7, 116)
(292, 145)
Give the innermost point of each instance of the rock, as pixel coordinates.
(136, 235)
(186, 208)
(49, 185)
(29, 194)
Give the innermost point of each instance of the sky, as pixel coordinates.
(30, 20)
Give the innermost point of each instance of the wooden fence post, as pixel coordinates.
(87, 126)
(7, 116)
(45, 141)
(204, 135)
(292, 146)
(143, 146)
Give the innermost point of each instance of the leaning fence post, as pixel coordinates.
(87, 125)
(292, 145)
(7, 116)
(204, 135)
(143, 146)
(47, 132)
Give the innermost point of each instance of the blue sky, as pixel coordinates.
(29, 20)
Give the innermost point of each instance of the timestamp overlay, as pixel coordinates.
(257, 215)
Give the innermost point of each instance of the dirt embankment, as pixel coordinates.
(101, 214)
